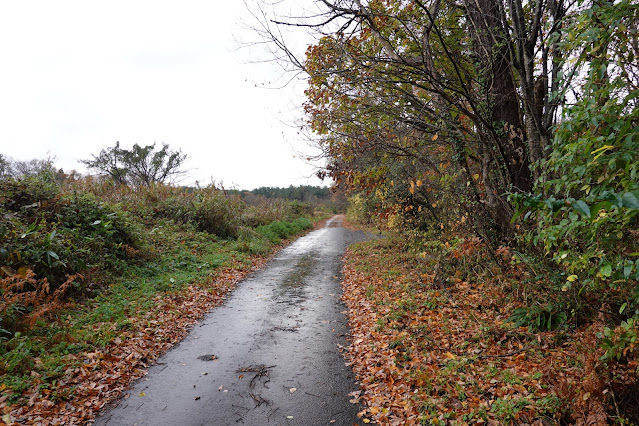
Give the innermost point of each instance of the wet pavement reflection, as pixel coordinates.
(268, 356)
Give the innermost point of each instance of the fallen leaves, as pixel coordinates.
(426, 354)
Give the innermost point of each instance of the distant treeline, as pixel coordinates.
(300, 193)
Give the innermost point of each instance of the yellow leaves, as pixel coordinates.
(601, 151)
(414, 184)
(435, 136)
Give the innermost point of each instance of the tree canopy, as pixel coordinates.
(516, 120)
(459, 96)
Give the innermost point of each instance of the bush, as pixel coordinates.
(57, 234)
(585, 214)
(23, 290)
(218, 214)
(179, 208)
(276, 231)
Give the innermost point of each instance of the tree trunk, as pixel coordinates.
(504, 120)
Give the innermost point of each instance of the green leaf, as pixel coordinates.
(627, 270)
(606, 270)
(582, 207)
(623, 307)
(518, 213)
(630, 201)
(594, 210)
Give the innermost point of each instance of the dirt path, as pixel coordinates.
(268, 356)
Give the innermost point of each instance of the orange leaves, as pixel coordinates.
(28, 290)
(413, 185)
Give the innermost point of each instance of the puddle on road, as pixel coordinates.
(209, 357)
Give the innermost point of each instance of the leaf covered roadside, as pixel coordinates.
(428, 350)
(97, 377)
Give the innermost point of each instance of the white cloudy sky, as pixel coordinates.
(77, 76)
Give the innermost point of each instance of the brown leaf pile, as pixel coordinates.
(432, 354)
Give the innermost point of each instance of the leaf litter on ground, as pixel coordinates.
(427, 353)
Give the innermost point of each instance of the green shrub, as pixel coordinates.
(539, 318)
(585, 213)
(56, 234)
(278, 230)
(218, 214)
(299, 209)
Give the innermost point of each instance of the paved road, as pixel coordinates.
(268, 356)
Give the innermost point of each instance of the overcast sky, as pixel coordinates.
(77, 76)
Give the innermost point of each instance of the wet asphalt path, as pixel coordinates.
(268, 356)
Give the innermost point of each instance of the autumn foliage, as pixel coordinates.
(487, 136)
(95, 377)
(24, 290)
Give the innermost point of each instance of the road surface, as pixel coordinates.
(268, 356)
